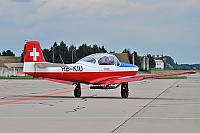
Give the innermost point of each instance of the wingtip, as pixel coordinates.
(191, 72)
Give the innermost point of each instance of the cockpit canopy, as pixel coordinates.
(101, 59)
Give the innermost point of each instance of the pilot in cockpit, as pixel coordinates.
(106, 61)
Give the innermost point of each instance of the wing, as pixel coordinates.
(141, 77)
(118, 80)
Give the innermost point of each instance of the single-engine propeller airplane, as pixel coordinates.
(101, 70)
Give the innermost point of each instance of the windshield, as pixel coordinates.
(88, 59)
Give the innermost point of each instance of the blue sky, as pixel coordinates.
(171, 27)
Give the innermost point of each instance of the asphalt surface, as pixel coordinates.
(153, 106)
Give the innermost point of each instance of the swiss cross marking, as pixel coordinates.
(34, 54)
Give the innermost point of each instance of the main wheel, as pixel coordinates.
(124, 90)
(77, 90)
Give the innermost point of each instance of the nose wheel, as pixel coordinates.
(124, 90)
(77, 90)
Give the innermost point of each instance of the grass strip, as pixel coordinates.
(173, 77)
(17, 77)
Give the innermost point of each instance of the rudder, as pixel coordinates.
(33, 52)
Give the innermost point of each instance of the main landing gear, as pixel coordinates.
(77, 90)
(124, 90)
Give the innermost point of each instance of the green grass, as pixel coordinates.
(17, 77)
(197, 71)
(165, 71)
(173, 77)
(162, 71)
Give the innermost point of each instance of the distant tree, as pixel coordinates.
(176, 66)
(52, 52)
(170, 61)
(126, 51)
(95, 49)
(22, 54)
(59, 53)
(102, 49)
(72, 53)
(7, 53)
(55, 52)
(83, 51)
(112, 52)
(63, 52)
(137, 59)
(4, 53)
(10, 53)
(47, 55)
(152, 62)
(0, 53)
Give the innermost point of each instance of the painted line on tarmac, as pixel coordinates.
(37, 97)
(167, 118)
(52, 117)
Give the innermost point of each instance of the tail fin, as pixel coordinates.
(33, 52)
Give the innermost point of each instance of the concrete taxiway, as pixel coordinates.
(153, 106)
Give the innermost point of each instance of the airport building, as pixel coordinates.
(159, 64)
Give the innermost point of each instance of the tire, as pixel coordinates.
(124, 93)
(77, 92)
(124, 90)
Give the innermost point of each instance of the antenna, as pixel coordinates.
(61, 59)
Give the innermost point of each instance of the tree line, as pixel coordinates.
(64, 54)
(61, 53)
(7, 53)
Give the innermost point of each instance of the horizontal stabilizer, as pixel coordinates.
(47, 64)
(14, 65)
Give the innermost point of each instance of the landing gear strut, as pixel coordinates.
(77, 90)
(124, 90)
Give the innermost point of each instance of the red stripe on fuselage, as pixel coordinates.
(82, 77)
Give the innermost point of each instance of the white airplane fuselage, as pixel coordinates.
(82, 72)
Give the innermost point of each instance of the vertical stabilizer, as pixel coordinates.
(33, 52)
